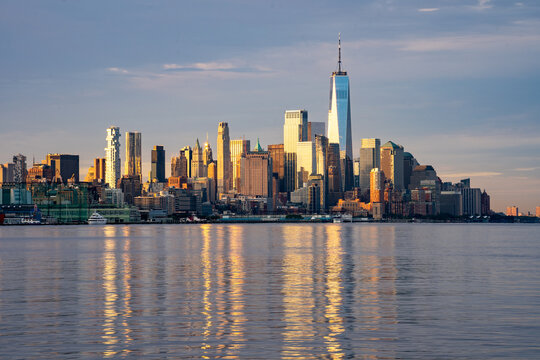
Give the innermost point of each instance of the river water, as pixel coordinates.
(265, 291)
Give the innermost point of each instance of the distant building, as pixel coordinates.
(305, 161)
(294, 131)
(451, 203)
(157, 171)
(133, 164)
(392, 163)
(376, 186)
(538, 211)
(512, 211)
(409, 163)
(485, 204)
(239, 148)
(96, 172)
(224, 166)
(131, 187)
(256, 173)
(370, 155)
(39, 173)
(321, 168)
(19, 168)
(471, 198)
(112, 157)
(6, 173)
(197, 163)
(278, 162)
(188, 153)
(64, 167)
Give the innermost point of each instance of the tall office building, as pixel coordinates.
(256, 173)
(157, 171)
(19, 168)
(96, 171)
(238, 149)
(278, 165)
(321, 168)
(409, 163)
(392, 164)
(224, 168)
(339, 121)
(64, 167)
(305, 164)
(207, 156)
(294, 131)
(133, 165)
(376, 186)
(188, 153)
(6, 173)
(370, 155)
(472, 201)
(197, 163)
(112, 157)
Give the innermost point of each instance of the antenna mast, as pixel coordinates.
(339, 52)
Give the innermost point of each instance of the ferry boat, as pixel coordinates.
(30, 221)
(96, 219)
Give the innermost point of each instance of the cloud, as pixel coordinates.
(117, 70)
(428, 9)
(214, 66)
(527, 169)
(483, 5)
(470, 174)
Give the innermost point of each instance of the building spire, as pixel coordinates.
(339, 52)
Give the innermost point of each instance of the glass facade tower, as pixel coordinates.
(339, 121)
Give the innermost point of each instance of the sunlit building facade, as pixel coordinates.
(224, 168)
(294, 131)
(112, 157)
(239, 147)
(370, 155)
(392, 163)
(133, 165)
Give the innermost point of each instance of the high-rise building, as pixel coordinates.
(112, 157)
(238, 149)
(370, 155)
(64, 167)
(376, 186)
(315, 128)
(321, 168)
(197, 163)
(471, 198)
(6, 173)
(305, 164)
(131, 187)
(294, 131)
(133, 164)
(207, 156)
(224, 167)
(256, 173)
(485, 204)
(512, 211)
(157, 171)
(278, 165)
(409, 163)
(179, 165)
(392, 163)
(19, 168)
(538, 211)
(188, 153)
(96, 172)
(339, 121)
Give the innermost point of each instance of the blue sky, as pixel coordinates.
(457, 83)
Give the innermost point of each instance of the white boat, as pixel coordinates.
(30, 221)
(96, 219)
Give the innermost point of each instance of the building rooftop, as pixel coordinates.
(391, 144)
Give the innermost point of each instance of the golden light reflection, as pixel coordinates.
(127, 293)
(298, 299)
(207, 304)
(333, 294)
(236, 298)
(110, 312)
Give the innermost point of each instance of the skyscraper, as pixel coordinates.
(305, 164)
(133, 164)
(188, 153)
(112, 157)
(392, 163)
(278, 167)
(19, 168)
(294, 131)
(64, 166)
(339, 120)
(197, 164)
(315, 128)
(224, 168)
(238, 148)
(157, 171)
(370, 155)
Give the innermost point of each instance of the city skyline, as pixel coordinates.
(482, 94)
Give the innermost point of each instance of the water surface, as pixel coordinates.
(260, 291)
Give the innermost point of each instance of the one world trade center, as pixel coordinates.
(339, 121)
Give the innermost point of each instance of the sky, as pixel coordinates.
(456, 82)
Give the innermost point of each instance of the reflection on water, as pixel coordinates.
(269, 291)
